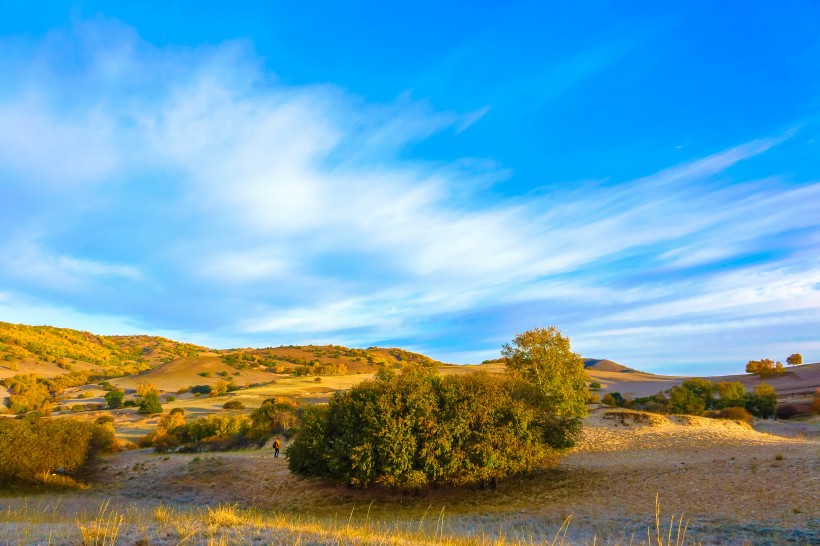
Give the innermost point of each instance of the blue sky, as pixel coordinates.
(424, 175)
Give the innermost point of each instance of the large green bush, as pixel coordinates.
(416, 429)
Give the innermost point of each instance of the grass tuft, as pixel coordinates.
(102, 530)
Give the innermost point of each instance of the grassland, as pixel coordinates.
(729, 483)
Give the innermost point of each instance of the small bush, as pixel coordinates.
(787, 411)
(103, 419)
(150, 404)
(77, 408)
(735, 413)
(233, 405)
(170, 398)
(594, 385)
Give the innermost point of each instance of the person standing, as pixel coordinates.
(276, 446)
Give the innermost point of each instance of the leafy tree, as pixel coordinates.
(732, 394)
(144, 389)
(765, 367)
(28, 393)
(795, 359)
(218, 427)
(614, 399)
(114, 398)
(762, 402)
(275, 416)
(150, 404)
(543, 358)
(31, 449)
(220, 388)
(169, 429)
(685, 401)
(703, 389)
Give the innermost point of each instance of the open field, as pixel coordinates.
(731, 483)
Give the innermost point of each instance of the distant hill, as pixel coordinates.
(49, 352)
(604, 365)
(47, 347)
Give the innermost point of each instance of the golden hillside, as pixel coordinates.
(23, 346)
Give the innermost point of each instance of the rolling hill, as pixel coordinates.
(127, 361)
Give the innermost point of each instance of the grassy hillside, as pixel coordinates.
(73, 349)
(323, 359)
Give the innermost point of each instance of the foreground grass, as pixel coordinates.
(58, 523)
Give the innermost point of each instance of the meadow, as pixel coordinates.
(632, 478)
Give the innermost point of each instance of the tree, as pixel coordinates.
(218, 389)
(150, 404)
(732, 394)
(702, 388)
(275, 416)
(762, 402)
(543, 358)
(765, 367)
(114, 398)
(610, 400)
(795, 359)
(685, 401)
(144, 389)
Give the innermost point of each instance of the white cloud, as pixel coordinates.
(27, 259)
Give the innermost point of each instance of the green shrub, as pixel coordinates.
(594, 385)
(233, 405)
(276, 415)
(762, 402)
(77, 408)
(417, 429)
(150, 404)
(218, 427)
(170, 398)
(114, 398)
(732, 394)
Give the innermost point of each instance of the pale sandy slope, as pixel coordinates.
(796, 380)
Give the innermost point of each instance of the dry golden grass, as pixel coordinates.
(231, 524)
